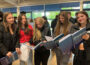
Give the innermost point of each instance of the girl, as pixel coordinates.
(82, 52)
(8, 36)
(25, 32)
(63, 26)
(40, 31)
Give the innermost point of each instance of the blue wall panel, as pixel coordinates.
(86, 2)
(50, 7)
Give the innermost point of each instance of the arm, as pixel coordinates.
(46, 31)
(86, 37)
(17, 43)
(17, 36)
(3, 49)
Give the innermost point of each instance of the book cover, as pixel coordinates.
(65, 44)
(77, 36)
(52, 42)
(48, 38)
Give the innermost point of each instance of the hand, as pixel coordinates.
(28, 43)
(9, 54)
(18, 50)
(44, 41)
(85, 37)
(81, 46)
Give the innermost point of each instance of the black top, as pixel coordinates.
(72, 20)
(86, 42)
(8, 42)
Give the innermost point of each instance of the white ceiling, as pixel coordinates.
(15, 3)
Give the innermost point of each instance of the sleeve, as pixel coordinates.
(72, 29)
(88, 41)
(3, 49)
(88, 32)
(46, 31)
(52, 24)
(17, 36)
(31, 41)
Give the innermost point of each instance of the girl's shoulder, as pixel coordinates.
(88, 26)
(1, 26)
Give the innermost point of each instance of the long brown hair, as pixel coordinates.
(65, 25)
(37, 34)
(82, 12)
(27, 29)
(5, 23)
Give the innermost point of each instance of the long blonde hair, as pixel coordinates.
(36, 33)
(65, 25)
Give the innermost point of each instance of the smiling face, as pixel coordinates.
(39, 25)
(10, 19)
(23, 20)
(61, 19)
(81, 18)
(39, 22)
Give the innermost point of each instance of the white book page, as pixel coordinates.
(48, 38)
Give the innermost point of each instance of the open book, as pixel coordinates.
(77, 36)
(34, 47)
(48, 38)
(71, 40)
(65, 44)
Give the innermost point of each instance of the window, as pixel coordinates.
(51, 15)
(36, 14)
(88, 13)
(85, 6)
(73, 10)
(70, 8)
(28, 15)
(73, 13)
(15, 14)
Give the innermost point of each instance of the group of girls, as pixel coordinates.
(12, 36)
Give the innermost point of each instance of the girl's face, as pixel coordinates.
(10, 19)
(39, 25)
(23, 20)
(61, 19)
(81, 18)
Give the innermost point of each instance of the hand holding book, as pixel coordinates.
(9, 54)
(86, 37)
